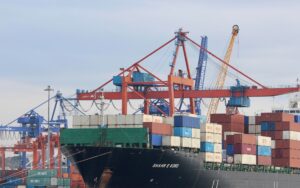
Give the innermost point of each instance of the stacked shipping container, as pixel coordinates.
(263, 150)
(285, 133)
(187, 128)
(46, 178)
(211, 142)
(231, 124)
(242, 147)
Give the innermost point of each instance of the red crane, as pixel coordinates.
(176, 86)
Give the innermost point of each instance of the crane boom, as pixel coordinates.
(213, 105)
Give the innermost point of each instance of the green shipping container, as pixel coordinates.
(42, 173)
(31, 181)
(63, 181)
(67, 182)
(104, 136)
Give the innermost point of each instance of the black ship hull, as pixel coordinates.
(155, 168)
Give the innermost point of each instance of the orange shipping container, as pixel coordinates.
(227, 118)
(241, 139)
(277, 117)
(287, 126)
(285, 144)
(286, 153)
(159, 128)
(286, 162)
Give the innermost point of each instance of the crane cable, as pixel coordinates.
(111, 101)
(88, 108)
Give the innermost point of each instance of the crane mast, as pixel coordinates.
(213, 106)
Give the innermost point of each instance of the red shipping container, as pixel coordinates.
(286, 153)
(275, 135)
(230, 139)
(286, 162)
(278, 117)
(249, 149)
(258, 120)
(244, 139)
(264, 160)
(233, 127)
(287, 126)
(159, 128)
(227, 118)
(286, 144)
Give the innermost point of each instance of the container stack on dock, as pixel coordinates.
(46, 178)
(211, 142)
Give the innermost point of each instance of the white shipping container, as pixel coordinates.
(186, 142)
(217, 138)
(111, 119)
(217, 128)
(141, 118)
(252, 129)
(218, 148)
(291, 135)
(229, 133)
(84, 120)
(94, 119)
(157, 119)
(258, 129)
(195, 133)
(76, 120)
(173, 141)
(273, 144)
(217, 157)
(263, 141)
(21, 186)
(252, 120)
(207, 137)
(97, 120)
(53, 181)
(121, 119)
(208, 157)
(245, 159)
(196, 143)
(129, 120)
(207, 128)
(168, 120)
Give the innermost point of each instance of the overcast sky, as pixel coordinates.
(80, 44)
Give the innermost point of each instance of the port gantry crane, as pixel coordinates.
(176, 86)
(200, 75)
(213, 105)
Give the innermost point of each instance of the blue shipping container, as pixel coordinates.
(230, 150)
(186, 121)
(183, 132)
(267, 126)
(141, 77)
(246, 120)
(207, 147)
(117, 80)
(156, 140)
(263, 150)
(297, 118)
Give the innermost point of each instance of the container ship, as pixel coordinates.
(156, 152)
(164, 146)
